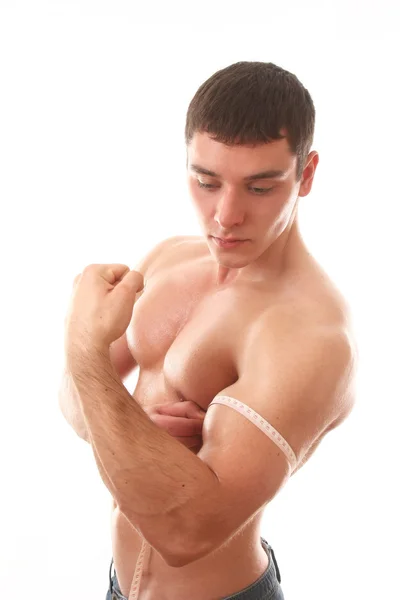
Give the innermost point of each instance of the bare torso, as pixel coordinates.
(186, 335)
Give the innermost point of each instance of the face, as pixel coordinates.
(243, 192)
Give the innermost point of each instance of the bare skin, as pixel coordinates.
(186, 334)
(192, 320)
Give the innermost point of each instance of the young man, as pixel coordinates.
(244, 346)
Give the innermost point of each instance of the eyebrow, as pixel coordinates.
(271, 174)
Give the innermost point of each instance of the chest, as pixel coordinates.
(188, 336)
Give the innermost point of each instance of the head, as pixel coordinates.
(249, 130)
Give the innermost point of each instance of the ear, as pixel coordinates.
(308, 174)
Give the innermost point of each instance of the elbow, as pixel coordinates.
(187, 552)
(201, 537)
(174, 552)
(176, 549)
(177, 560)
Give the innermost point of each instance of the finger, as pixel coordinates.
(185, 408)
(178, 426)
(132, 281)
(115, 272)
(124, 292)
(111, 273)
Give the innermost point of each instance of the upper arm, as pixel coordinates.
(293, 378)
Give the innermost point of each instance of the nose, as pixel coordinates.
(229, 211)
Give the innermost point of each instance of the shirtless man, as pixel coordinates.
(254, 327)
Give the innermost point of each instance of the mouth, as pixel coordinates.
(227, 242)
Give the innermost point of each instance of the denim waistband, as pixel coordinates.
(266, 586)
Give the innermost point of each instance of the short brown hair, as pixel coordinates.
(250, 103)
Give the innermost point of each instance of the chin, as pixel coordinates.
(234, 263)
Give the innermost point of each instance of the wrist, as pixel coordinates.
(81, 356)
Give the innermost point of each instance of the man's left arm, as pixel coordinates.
(188, 505)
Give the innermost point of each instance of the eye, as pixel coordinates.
(260, 191)
(206, 186)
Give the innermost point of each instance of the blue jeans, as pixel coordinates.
(266, 587)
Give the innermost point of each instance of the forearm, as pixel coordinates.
(154, 478)
(70, 406)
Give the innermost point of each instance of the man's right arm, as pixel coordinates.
(120, 354)
(68, 399)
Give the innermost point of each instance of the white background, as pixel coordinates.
(93, 98)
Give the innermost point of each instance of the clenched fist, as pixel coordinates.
(101, 306)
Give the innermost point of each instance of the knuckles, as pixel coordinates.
(139, 280)
(95, 269)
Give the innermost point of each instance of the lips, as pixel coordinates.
(227, 244)
(229, 239)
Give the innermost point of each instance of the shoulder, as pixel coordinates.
(163, 251)
(321, 300)
(318, 309)
(314, 350)
(328, 312)
(296, 330)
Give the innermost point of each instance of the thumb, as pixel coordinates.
(133, 282)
